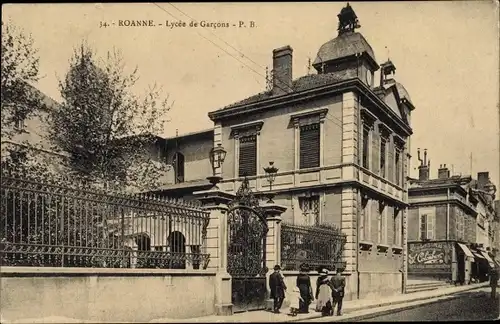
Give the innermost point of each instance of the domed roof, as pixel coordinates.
(403, 93)
(344, 45)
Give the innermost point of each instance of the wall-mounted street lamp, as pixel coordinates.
(217, 156)
(271, 172)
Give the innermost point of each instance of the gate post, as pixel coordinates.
(216, 202)
(273, 241)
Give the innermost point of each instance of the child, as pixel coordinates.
(294, 301)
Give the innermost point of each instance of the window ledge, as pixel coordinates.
(365, 246)
(382, 247)
(397, 249)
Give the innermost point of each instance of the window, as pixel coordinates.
(179, 167)
(309, 146)
(383, 153)
(397, 239)
(310, 210)
(380, 224)
(460, 225)
(426, 227)
(362, 222)
(397, 162)
(366, 146)
(248, 156)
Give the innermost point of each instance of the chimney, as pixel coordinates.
(282, 70)
(483, 178)
(443, 172)
(423, 168)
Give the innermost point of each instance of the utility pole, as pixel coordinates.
(471, 164)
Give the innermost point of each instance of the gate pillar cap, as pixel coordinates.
(213, 197)
(273, 210)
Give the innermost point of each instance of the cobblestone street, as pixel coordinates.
(475, 305)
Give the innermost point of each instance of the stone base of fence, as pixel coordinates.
(106, 295)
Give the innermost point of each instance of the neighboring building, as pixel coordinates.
(341, 143)
(495, 235)
(452, 216)
(31, 133)
(188, 156)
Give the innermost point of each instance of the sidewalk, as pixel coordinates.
(349, 307)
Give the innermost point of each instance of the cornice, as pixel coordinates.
(348, 85)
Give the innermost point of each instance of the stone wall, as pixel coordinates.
(100, 295)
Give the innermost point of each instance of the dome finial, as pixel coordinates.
(348, 21)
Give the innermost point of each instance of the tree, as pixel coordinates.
(19, 70)
(105, 128)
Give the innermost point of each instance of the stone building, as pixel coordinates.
(340, 140)
(30, 133)
(453, 218)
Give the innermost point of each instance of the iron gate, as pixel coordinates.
(246, 261)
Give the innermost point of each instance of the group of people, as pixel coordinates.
(329, 292)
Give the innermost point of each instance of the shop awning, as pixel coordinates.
(487, 257)
(478, 255)
(466, 250)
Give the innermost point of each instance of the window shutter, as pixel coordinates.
(376, 153)
(397, 165)
(248, 156)
(423, 227)
(309, 146)
(366, 143)
(430, 227)
(390, 161)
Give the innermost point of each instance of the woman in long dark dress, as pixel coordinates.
(304, 285)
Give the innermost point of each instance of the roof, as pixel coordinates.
(344, 45)
(402, 92)
(455, 180)
(200, 132)
(47, 102)
(301, 84)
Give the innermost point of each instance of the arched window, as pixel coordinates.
(179, 167)
(143, 243)
(177, 244)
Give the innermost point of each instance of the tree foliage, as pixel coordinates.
(20, 64)
(106, 129)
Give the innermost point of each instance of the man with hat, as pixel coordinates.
(277, 287)
(337, 283)
(493, 282)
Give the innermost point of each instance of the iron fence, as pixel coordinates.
(318, 246)
(46, 224)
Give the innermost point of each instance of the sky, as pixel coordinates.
(446, 55)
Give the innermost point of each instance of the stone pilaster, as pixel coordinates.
(216, 203)
(218, 140)
(349, 134)
(404, 218)
(454, 265)
(349, 227)
(273, 240)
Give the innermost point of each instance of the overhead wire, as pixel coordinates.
(241, 53)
